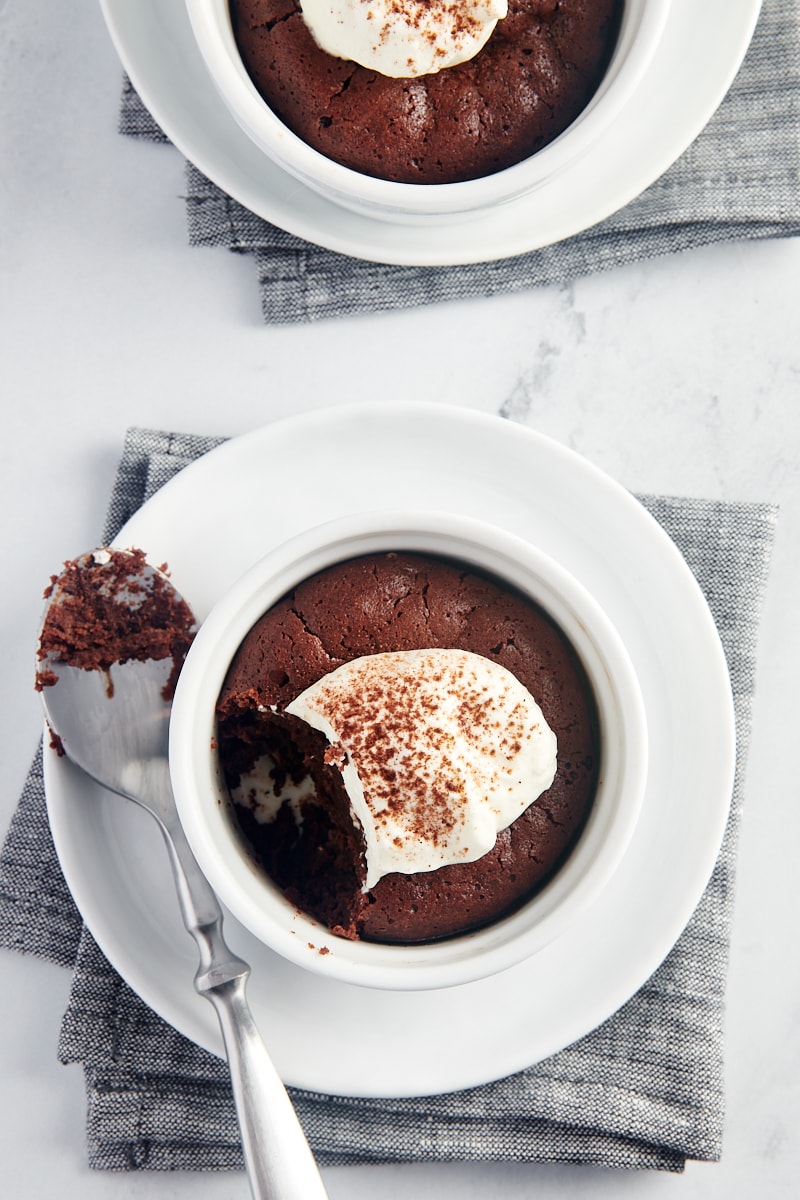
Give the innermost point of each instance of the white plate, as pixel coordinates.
(224, 511)
(694, 66)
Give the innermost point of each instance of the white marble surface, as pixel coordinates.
(680, 376)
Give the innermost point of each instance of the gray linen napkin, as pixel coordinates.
(643, 1090)
(740, 179)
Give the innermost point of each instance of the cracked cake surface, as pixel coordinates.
(537, 72)
(369, 605)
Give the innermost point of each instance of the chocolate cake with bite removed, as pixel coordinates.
(305, 836)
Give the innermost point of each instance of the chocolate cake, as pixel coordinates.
(312, 849)
(111, 607)
(537, 72)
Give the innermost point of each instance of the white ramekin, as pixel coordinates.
(642, 25)
(204, 805)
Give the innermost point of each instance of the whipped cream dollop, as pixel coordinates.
(438, 749)
(403, 38)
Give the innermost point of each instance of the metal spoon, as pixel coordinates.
(113, 723)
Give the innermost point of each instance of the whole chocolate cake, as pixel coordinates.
(309, 843)
(537, 72)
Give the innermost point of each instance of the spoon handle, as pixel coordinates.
(279, 1161)
(280, 1164)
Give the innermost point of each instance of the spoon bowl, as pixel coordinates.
(111, 720)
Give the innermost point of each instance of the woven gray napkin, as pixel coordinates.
(739, 179)
(643, 1090)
